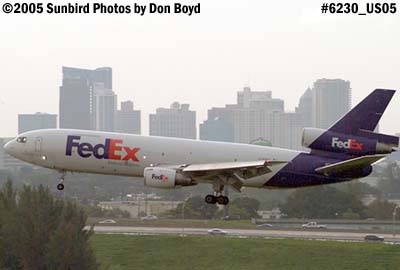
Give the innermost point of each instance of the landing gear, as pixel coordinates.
(217, 197)
(211, 199)
(222, 200)
(60, 186)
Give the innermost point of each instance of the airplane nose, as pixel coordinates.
(9, 148)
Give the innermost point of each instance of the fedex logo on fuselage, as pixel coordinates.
(351, 144)
(111, 149)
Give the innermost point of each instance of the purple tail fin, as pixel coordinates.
(366, 115)
(354, 133)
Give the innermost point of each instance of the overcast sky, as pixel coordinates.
(203, 60)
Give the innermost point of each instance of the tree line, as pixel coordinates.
(196, 208)
(40, 232)
(342, 201)
(330, 202)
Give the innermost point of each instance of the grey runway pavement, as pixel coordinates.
(306, 234)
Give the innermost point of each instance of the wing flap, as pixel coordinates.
(349, 165)
(242, 170)
(224, 166)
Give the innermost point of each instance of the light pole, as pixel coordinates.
(394, 222)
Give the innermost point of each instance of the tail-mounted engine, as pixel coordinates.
(364, 143)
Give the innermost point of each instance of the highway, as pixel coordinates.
(268, 233)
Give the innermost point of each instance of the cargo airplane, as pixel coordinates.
(344, 152)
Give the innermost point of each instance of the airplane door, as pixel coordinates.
(38, 144)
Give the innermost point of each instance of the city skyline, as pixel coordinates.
(145, 121)
(261, 100)
(176, 121)
(256, 115)
(160, 59)
(28, 122)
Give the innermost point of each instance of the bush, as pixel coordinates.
(323, 202)
(38, 231)
(381, 209)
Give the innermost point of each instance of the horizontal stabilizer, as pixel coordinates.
(349, 165)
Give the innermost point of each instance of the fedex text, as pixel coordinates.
(112, 149)
(351, 144)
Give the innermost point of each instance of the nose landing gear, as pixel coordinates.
(60, 186)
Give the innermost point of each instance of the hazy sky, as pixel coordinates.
(282, 46)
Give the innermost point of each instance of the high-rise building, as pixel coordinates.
(177, 121)
(216, 130)
(76, 95)
(256, 115)
(305, 108)
(28, 122)
(258, 100)
(289, 127)
(128, 119)
(2, 153)
(104, 108)
(325, 103)
(103, 75)
(332, 99)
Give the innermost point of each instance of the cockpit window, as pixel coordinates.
(22, 139)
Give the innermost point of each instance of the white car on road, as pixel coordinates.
(149, 217)
(217, 231)
(313, 225)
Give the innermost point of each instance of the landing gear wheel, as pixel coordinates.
(226, 200)
(210, 199)
(60, 186)
(222, 200)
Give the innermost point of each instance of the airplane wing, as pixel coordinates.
(349, 165)
(231, 173)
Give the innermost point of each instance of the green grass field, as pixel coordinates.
(123, 252)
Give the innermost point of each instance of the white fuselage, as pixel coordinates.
(50, 149)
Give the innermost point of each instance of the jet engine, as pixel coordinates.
(362, 143)
(310, 135)
(166, 178)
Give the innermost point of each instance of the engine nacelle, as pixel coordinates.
(165, 178)
(365, 143)
(310, 135)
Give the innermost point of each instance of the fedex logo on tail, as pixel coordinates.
(349, 144)
(111, 149)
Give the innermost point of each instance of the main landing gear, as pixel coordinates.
(60, 186)
(213, 199)
(217, 197)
